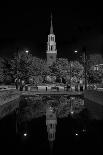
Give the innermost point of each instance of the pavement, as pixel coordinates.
(9, 107)
(6, 87)
(51, 92)
(99, 89)
(9, 100)
(8, 95)
(94, 95)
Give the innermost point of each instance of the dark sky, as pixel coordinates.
(26, 26)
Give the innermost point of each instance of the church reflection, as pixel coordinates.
(55, 115)
(51, 122)
(52, 107)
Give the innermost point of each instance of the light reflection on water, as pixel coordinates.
(50, 107)
(63, 105)
(70, 128)
(56, 110)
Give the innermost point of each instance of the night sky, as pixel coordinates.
(27, 27)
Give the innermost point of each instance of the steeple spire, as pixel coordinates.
(51, 27)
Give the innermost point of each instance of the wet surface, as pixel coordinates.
(25, 130)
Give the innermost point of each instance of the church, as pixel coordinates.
(51, 53)
(51, 47)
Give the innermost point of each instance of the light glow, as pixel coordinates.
(25, 134)
(75, 51)
(76, 134)
(84, 130)
(27, 51)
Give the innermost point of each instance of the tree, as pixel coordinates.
(94, 59)
(77, 71)
(20, 65)
(37, 66)
(60, 68)
(2, 76)
(7, 76)
(38, 70)
(94, 75)
(25, 66)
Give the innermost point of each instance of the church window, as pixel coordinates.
(52, 38)
(49, 38)
(51, 48)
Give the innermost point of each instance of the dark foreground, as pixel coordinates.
(73, 136)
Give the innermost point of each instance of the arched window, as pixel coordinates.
(52, 38)
(49, 47)
(52, 48)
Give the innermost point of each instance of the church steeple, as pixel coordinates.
(51, 27)
(51, 46)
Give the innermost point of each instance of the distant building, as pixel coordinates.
(98, 67)
(51, 47)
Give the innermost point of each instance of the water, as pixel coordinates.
(79, 137)
(7, 134)
(80, 133)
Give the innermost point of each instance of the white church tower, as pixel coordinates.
(51, 47)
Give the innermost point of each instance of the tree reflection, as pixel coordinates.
(52, 108)
(63, 106)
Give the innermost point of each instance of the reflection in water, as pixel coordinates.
(52, 107)
(51, 122)
(71, 106)
(62, 123)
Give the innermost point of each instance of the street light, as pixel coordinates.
(27, 51)
(85, 64)
(17, 61)
(17, 68)
(71, 74)
(71, 106)
(75, 51)
(76, 134)
(25, 134)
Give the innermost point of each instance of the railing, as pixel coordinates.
(54, 88)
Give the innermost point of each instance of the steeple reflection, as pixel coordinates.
(51, 122)
(45, 111)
